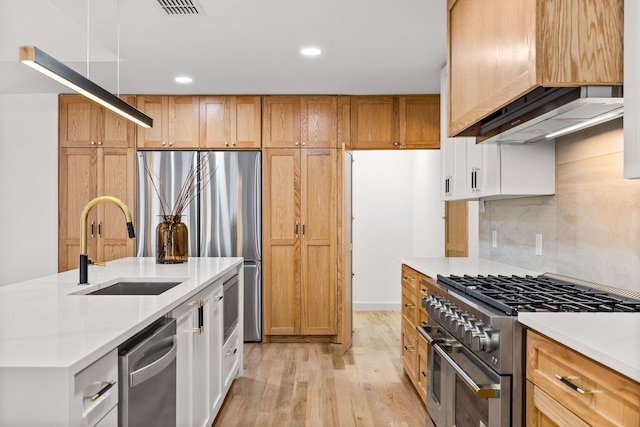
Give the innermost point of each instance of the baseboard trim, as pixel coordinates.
(375, 306)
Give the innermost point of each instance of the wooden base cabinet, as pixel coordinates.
(85, 173)
(300, 243)
(565, 388)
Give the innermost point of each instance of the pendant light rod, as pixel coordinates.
(51, 67)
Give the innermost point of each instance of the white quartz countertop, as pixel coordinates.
(44, 325)
(612, 339)
(459, 266)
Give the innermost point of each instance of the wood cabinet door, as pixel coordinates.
(374, 122)
(184, 121)
(319, 121)
(155, 107)
(214, 124)
(456, 224)
(318, 242)
(113, 129)
(116, 177)
(281, 121)
(76, 187)
(344, 122)
(245, 121)
(281, 241)
(420, 121)
(78, 121)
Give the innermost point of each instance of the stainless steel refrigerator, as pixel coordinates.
(224, 220)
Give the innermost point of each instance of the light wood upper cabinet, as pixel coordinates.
(387, 122)
(84, 123)
(176, 122)
(230, 122)
(530, 43)
(344, 122)
(300, 121)
(300, 242)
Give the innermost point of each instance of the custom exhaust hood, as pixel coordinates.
(547, 112)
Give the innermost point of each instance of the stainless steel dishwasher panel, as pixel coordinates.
(147, 365)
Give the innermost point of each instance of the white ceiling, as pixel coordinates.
(234, 47)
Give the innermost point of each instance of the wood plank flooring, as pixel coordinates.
(314, 385)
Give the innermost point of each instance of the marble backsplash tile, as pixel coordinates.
(590, 228)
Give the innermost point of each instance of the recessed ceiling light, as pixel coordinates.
(184, 79)
(310, 51)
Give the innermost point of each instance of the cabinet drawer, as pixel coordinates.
(96, 390)
(599, 395)
(409, 307)
(409, 350)
(231, 358)
(409, 278)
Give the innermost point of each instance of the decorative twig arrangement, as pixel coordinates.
(197, 179)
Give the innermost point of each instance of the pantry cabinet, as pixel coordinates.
(300, 121)
(86, 173)
(565, 388)
(530, 43)
(230, 122)
(84, 123)
(176, 122)
(388, 122)
(300, 242)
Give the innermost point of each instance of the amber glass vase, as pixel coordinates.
(173, 240)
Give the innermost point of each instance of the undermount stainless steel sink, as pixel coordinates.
(135, 288)
(132, 286)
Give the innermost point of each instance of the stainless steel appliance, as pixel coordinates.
(476, 346)
(230, 304)
(147, 373)
(224, 220)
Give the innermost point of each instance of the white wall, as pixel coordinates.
(28, 186)
(398, 213)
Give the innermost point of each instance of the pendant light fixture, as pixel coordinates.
(50, 67)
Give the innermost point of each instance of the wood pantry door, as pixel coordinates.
(319, 242)
(281, 243)
(456, 227)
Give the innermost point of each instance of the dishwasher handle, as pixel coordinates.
(148, 371)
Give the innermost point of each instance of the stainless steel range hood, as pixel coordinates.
(546, 110)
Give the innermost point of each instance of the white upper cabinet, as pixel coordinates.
(471, 171)
(631, 90)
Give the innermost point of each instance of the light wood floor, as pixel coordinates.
(315, 385)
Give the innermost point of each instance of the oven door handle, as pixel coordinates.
(484, 391)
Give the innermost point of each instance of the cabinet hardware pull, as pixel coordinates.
(100, 228)
(408, 348)
(219, 297)
(409, 305)
(297, 143)
(91, 229)
(304, 143)
(424, 373)
(424, 323)
(200, 316)
(424, 290)
(571, 385)
(303, 228)
(102, 391)
(231, 352)
(99, 142)
(296, 229)
(407, 278)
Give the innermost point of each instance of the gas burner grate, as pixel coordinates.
(512, 294)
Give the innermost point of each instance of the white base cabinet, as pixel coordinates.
(203, 374)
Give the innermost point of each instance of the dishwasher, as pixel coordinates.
(147, 375)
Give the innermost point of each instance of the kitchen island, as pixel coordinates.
(49, 332)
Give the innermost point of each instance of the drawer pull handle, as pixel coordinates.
(570, 384)
(408, 348)
(424, 323)
(409, 305)
(407, 278)
(424, 373)
(424, 290)
(102, 391)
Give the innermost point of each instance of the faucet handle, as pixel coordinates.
(98, 263)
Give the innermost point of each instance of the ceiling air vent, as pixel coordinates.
(180, 7)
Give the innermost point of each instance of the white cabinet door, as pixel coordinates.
(631, 89)
(185, 316)
(215, 342)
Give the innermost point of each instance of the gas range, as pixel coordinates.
(476, 345)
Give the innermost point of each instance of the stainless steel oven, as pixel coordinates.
(462, 390)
